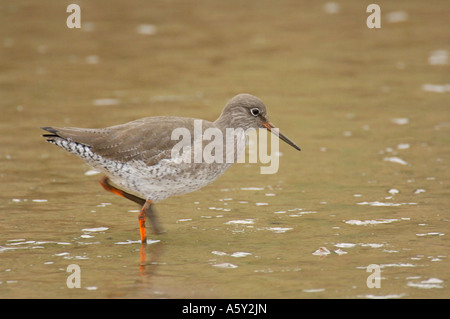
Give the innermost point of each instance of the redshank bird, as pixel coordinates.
(138, 156)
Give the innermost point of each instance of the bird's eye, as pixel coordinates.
(255, 112)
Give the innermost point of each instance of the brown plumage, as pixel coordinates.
(138, 155)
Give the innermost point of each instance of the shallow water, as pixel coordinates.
(369, 108)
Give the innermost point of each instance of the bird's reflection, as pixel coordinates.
(149, 256)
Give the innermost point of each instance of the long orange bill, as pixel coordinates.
(271, 128)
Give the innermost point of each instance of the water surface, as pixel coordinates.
(369, 108)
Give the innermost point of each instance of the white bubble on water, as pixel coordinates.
(240, 254)
(225, 265)
(92, 59)
(436, 88)
(240, 222)
(95, 229)
(279, 230)
(427, 284)
(105, 102)
(370, 221)
(219, 253)
(91, 172)
(331, 7)
(438, 57)
(400, 120)
(396, 160)
(403, 146)
(393, 191)
(396, 16)
(322, 251)
(146, 29)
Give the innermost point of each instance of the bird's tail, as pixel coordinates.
(60, 138)
(53, 133)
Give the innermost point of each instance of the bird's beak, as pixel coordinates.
(271, 128)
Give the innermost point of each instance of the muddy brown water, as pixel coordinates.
(369, 108)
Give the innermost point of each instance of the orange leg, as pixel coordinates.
(146, 210)
(104, 181)
(141, 218)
